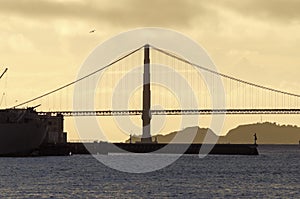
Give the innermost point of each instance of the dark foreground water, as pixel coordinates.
(275, 173)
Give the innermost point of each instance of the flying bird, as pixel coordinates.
(92, 31)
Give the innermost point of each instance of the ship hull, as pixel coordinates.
(21, 139)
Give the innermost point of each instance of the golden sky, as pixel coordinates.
(44, 42)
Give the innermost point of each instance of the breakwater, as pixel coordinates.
(159, 148)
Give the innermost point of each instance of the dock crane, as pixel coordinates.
(3, 72)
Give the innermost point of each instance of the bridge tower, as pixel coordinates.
(146, 115)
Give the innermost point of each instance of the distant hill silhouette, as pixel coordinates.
(267, 133)
(184, 136)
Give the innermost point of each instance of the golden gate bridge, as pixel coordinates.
(241, 97)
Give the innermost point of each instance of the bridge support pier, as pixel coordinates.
(146, 115)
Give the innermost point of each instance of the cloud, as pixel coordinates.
(271, 10)
(155, 12)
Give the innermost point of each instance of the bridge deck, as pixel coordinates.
(172, 112)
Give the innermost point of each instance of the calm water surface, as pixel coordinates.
(275, 173)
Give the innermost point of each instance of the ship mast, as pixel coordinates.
(3, 72)
(0, 78)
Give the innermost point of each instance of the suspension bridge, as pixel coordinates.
(195, 85)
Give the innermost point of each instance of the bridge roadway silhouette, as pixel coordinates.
(172, 112)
